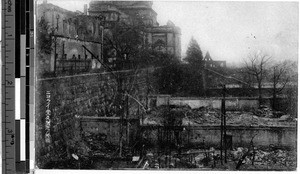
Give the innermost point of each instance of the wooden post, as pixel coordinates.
(121, 115)
(224, 121)
(147, 93)
(221, 142)
(121, 107)
(127, 120)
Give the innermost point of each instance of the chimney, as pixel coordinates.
(85, 9)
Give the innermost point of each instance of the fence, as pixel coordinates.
(73, 65)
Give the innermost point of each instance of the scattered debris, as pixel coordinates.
(281, 157)
(207, 116)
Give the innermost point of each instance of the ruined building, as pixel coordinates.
(164, 38)
(69, 31)
(210, 63)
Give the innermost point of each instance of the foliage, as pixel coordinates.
(123, 42)
(148, 57)
(179, 80)
(169, 79)
(194, 54)
(44, 38)
(194, 70)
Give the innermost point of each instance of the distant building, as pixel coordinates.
(210, 63)
(165, 38)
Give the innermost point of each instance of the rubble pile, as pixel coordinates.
(203, 116)
(208, 116)
(269, 158)
(163, 161)
(245, 119)
(164, 115)
(263, 111)
(97, 144)
(154, 117)
(209, 159)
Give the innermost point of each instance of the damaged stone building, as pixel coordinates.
(210, 63)
(165, 38)
(69, 31)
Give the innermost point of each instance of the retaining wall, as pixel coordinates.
(241, 135)
(231, 103)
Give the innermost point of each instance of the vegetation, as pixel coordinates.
(194, 55)
(44, 37)
(256, 66)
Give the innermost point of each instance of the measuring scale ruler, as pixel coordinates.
(17, 80)
(8, 87)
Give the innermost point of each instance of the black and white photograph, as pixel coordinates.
(166, 85)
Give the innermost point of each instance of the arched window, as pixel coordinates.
(159, 45)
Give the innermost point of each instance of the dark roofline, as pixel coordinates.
(49, 6)
(103, 11)
(128, 8)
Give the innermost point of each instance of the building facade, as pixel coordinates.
(210, 63)
(78, 36)
(70, 32)
(166, 38)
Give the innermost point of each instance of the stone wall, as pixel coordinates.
(241, 135)
(67, 98)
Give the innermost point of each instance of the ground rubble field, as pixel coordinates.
(209, 116)
(201, 159)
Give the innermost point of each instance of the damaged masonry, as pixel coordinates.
(114, 92)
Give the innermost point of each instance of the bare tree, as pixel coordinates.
(279, 78)
(256, 66)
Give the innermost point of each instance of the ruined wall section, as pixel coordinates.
(209, 136)
(71, 97)
(69, 32)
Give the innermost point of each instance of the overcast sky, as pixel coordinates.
(229, 30)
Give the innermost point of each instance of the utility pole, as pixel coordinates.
(147, 83)
(221, 142)
(121, 105)
(127, 120)
(223, 126)
(223, 110)
(121, 115)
